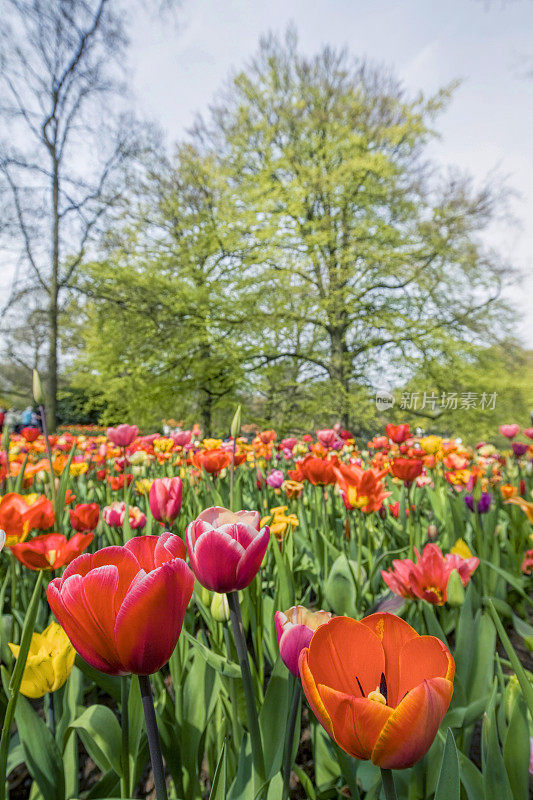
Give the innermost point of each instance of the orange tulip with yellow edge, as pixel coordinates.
(378, 688)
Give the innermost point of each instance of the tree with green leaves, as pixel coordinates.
(377, 257)
(167, 316)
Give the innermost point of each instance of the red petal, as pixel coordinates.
(149, 621)
(250, 562)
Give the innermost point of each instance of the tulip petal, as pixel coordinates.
(149, 621)
(68, 603)
(311, 692)
(393, 632)
(216, 558)
(169, 546)
(343, 652)
(143, 548)
(250, 562)
(422, 658)
(291, 643)
(357, 721)
(411, 729)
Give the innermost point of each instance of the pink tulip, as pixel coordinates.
(181, 438)
(122, 435)
(275, 478)
(113, 514)
(165, 499)
(327, 438)
(509, 431)
(294, 629)
(528, 432)
(225, 548)
(289, 444)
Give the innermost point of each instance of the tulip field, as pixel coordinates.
(263, 618)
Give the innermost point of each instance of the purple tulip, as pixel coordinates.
(519, 448)
(483, 502)
(225, 548)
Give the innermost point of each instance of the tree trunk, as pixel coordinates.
(206, 413)
(339, 370)
(53, 303)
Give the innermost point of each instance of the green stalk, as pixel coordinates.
(287, 755)
(154, 743)
(389, 788)
(16, 680)
(42, 411)
(124, 721)
(249, 697)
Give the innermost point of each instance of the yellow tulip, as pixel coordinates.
(461, 548)
(431, 444)
(50, 661)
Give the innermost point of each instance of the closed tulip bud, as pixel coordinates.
(432, 532)
(340, 585)
(165, 498)
(236, 423)
(455, 591)
(220, 607)
(38, 395)
(50, 661)
(512, 693)
(205, 596)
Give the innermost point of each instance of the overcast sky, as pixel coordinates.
(177, 67)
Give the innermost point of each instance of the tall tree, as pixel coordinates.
(168, 312)
(384, 255)
(61, 144)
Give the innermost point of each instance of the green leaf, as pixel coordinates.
(525, 685)
(449, 784)
(218, 789)
(41, 753)
(516, 751)
(219, 663)
(495, 778)
(100, 733)
(273, 717)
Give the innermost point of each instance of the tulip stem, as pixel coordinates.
(287, 756)
(124, 721)
(153, 738)
(389, 788)
(42, 411)
(249, 697)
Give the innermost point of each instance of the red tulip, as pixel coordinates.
(378, 688)
(118, 482)
(428, 578)
(165, 499)
(407, 469)
(51, 550)
(225, 548)
(123, 607)
(317, 471)
(398, 433)
(30, 434)
(122, 435)
(294, 629)
(213, 461)
(84, 517)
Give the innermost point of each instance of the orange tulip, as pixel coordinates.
(378, 688)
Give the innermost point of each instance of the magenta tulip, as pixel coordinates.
(181, 438)
(123, 607)
(225, 548)
(122, 435)
(165, 498)
(294, 629)
(275, 478)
